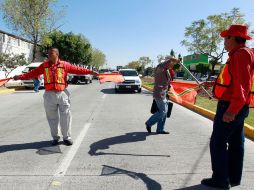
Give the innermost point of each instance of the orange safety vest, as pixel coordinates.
(223, 80)
(54, 80)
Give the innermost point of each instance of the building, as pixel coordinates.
(14, 45)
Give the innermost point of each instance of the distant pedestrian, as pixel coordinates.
(56, 96)
(36, 84)
(160, 94)
(233, 89)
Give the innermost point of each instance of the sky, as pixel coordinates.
(125, 30)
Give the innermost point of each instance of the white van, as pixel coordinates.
(15, 83)
(131, 81)
(30, 83)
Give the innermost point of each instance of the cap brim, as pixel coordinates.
(224, 33)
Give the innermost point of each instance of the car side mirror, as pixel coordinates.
(140, 75)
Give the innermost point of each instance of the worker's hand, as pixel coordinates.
(171, 61)
(228, 117)
(16, 77)
(174, 60)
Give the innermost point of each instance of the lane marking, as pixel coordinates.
(60, 172)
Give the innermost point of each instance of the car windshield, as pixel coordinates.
(129, 73)
(27, 69)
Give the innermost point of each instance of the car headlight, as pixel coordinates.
(137, 81)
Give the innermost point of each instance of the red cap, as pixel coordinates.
(236, 30)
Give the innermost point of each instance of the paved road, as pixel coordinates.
(111, 148)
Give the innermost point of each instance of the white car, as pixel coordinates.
(15, 83)
(30, 83)
(131, 82)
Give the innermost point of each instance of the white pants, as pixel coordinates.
(57, 105)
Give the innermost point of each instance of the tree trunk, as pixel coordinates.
(34, 52)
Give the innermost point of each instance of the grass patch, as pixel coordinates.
(148, 84)
(211, 105)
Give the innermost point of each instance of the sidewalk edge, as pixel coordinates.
(7, 90)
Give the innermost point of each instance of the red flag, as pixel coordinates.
(110, 77)
(3, 81)
(183, 92)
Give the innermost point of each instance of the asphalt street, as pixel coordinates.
(111, 150)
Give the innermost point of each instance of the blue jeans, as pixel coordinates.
(36, 85)
(227, 145)
(160, 116)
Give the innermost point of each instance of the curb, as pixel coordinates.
(7, 91)
(248, 130)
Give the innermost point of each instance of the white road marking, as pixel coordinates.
(60, 172)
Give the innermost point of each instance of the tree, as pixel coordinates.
(73, 48)
(32, 19)
(160, 58)
(133, 65)
(143, 62)
(98, 58)
(11, 61)
(172, 53)
(202, 37)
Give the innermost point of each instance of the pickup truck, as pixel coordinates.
(79, 79)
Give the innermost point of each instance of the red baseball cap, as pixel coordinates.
(236, 30)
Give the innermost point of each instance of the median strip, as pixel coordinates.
(248, 130)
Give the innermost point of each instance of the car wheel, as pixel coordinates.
(139, 90)
(116, 90)
(91, 81)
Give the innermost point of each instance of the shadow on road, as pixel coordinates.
(112, 91)
(126, 138)
(150, 183)
(196, 187)
(43, 147)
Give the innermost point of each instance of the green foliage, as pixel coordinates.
(31, 19)
(133, 65)
(98, 58)
(73, 48)
(202, 68)
(172, 53)
(149, 71)
(140, 64)
(12, 61)
(202, 37)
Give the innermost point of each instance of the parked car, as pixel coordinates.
(15, 83)
(30, 83)
(131, 82)
(79, 79)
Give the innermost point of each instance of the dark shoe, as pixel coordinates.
(68, 142)
(148, 128)
(210, 182)
(162, 132)
(55, 142)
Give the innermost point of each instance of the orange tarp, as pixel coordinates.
(3, 81)
(110, 77)
(183, 92)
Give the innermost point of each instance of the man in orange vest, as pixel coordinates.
(232, 88)
(56, 96)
